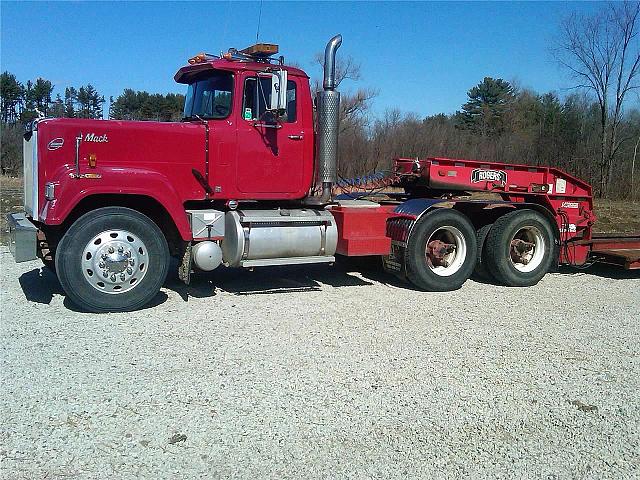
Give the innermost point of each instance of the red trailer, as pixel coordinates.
(248, 179)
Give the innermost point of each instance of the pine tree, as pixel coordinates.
(484, 111)
(57, 107)
(70, 99)
(11, 97)
(132, 105)
(41, 95)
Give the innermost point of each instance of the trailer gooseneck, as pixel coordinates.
(248, 179)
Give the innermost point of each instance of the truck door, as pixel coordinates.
(270, 151)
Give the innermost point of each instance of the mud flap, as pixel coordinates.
(398, 230)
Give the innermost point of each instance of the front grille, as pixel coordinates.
(30, 172)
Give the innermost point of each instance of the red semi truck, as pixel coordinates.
(248, 179)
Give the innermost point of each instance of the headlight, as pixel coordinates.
(50, 191)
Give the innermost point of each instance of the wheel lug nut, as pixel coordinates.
(103, 256)
(101, 264)
(122, 276)
(132, 262)
(129, 270)
(128, 254)
(111, 250)
(105, 274)
(113, 277)
(120, 249)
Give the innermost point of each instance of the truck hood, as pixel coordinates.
(106, 148)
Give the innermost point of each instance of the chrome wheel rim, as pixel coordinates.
(114, 261)
(446, 251)
(526, 249)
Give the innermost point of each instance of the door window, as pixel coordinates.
(257, 95)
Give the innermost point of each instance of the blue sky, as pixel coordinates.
(422, 57)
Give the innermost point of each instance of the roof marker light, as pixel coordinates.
(199, 58)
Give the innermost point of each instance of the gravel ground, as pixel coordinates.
(323, 372)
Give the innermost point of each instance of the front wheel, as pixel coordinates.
(519, 248)
(112, 259)
(441, 251)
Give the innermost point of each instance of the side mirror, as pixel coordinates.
(279, 92)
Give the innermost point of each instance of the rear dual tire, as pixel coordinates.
(436, 228)
(481, 272)
(500, 257)
(517, 250)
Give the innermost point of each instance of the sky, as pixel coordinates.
(421, 57)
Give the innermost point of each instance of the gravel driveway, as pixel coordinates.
(323, 372)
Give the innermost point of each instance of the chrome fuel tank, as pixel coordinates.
(279, 237)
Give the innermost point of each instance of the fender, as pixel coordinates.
(416, 207)
(399, 226)
(70, 191)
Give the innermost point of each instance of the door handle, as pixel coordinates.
(296, 137)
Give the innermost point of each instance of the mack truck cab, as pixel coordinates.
(248, 179)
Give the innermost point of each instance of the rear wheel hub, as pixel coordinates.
(446, 251)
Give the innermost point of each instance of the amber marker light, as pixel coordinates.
(199, 58)
(93, 160)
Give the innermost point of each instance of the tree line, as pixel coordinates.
(20, 103)
(521, 126)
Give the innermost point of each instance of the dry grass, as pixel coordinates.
(10, 182)
(617, 216)
(11, 200)
(614, 216)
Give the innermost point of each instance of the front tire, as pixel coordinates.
(519, 248)
(112, 259)
(441, 251)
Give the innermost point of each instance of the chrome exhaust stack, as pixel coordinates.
(329, 82)
(328, 107)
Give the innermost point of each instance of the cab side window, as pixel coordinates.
(209, 96)
(258, 96)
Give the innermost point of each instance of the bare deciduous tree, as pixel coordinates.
(346, 68)
(602, 52)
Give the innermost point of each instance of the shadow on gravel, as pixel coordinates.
(264, 281)
(40, 285)
(601, 270)
(159, 299)
(597, 270)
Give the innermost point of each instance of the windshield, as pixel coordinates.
(209, 96)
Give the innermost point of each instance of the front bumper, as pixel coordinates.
(22, 237)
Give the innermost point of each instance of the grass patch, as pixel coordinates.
(11, 200)
(617, 216)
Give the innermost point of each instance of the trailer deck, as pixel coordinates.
(620, 250)
(447, 183)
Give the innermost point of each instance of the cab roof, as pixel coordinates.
(186, 73)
